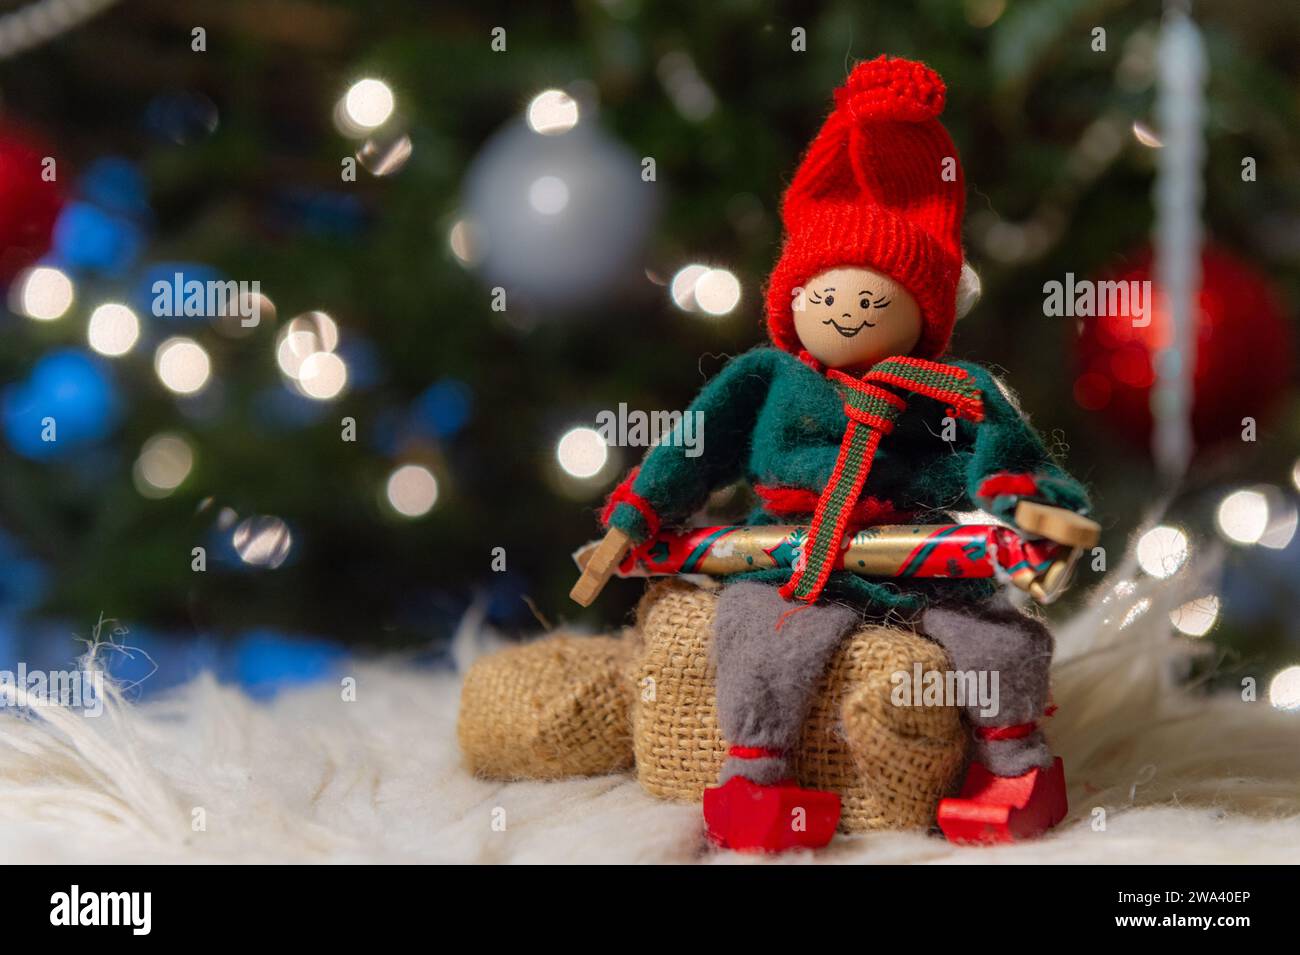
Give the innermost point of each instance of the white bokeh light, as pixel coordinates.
(319, 324)
(717, 291)
(262, 541)
(1146, 135)
(113, 329)
(582, 452)
(369, 103)
(548, 195)
(1284, 689)
(552, 112)
(466, 242)
(1243, 516)
(385, 156)
(412, 490)
(1162, 550)
(182, 365)
(1196, 617)
(323, 375)
(1282, 520)
(682, 287)
(43, 293)
(164, 463)
(293, 349)
(306, 335)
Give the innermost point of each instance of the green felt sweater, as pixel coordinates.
(775, 422)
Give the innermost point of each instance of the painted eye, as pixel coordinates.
(865, 303)
(830, 299)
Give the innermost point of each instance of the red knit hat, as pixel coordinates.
(871, 191)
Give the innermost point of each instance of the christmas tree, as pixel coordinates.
(459, 233)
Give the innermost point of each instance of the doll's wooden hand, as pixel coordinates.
(1062, 527)
(1057, 524)
(600, 566)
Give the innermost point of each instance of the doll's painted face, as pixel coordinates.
(853, 317)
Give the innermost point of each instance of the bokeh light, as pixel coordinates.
(1282, 521)
(293, 349)
(717, 291)
(412, 490)
(1145, 135)
(42, 293)
(582, 452)
(182, 365)
(319, 324)
(682, 287)
(322, 376)
(1284, 689)
(552, 112)
(262, 541)
(1162, 550)
(1196, 617)
(164, 463)
(113, 329)
(306, 335)
(1243, 516)
(369, 103)
(385, 155)
(466, 241)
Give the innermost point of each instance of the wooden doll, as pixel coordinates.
(852, 418)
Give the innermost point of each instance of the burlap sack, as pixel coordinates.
(890, 764)
(575, 706)
(555, 707)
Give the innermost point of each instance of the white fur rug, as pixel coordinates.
(1156, 775)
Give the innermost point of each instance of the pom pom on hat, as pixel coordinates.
(886, 89)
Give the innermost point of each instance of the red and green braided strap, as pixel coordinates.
(871, 412)
(947, 383)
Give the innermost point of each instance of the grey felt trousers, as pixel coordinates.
(770, 654)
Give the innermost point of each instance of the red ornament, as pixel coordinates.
(1243, 352)
(29, 201)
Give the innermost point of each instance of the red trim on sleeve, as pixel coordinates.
(1005, 482)
(623, 494)
(797, 500)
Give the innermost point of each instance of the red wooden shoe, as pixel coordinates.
(995, 809)
(747, 817)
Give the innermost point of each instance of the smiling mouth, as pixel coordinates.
(845, 330)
